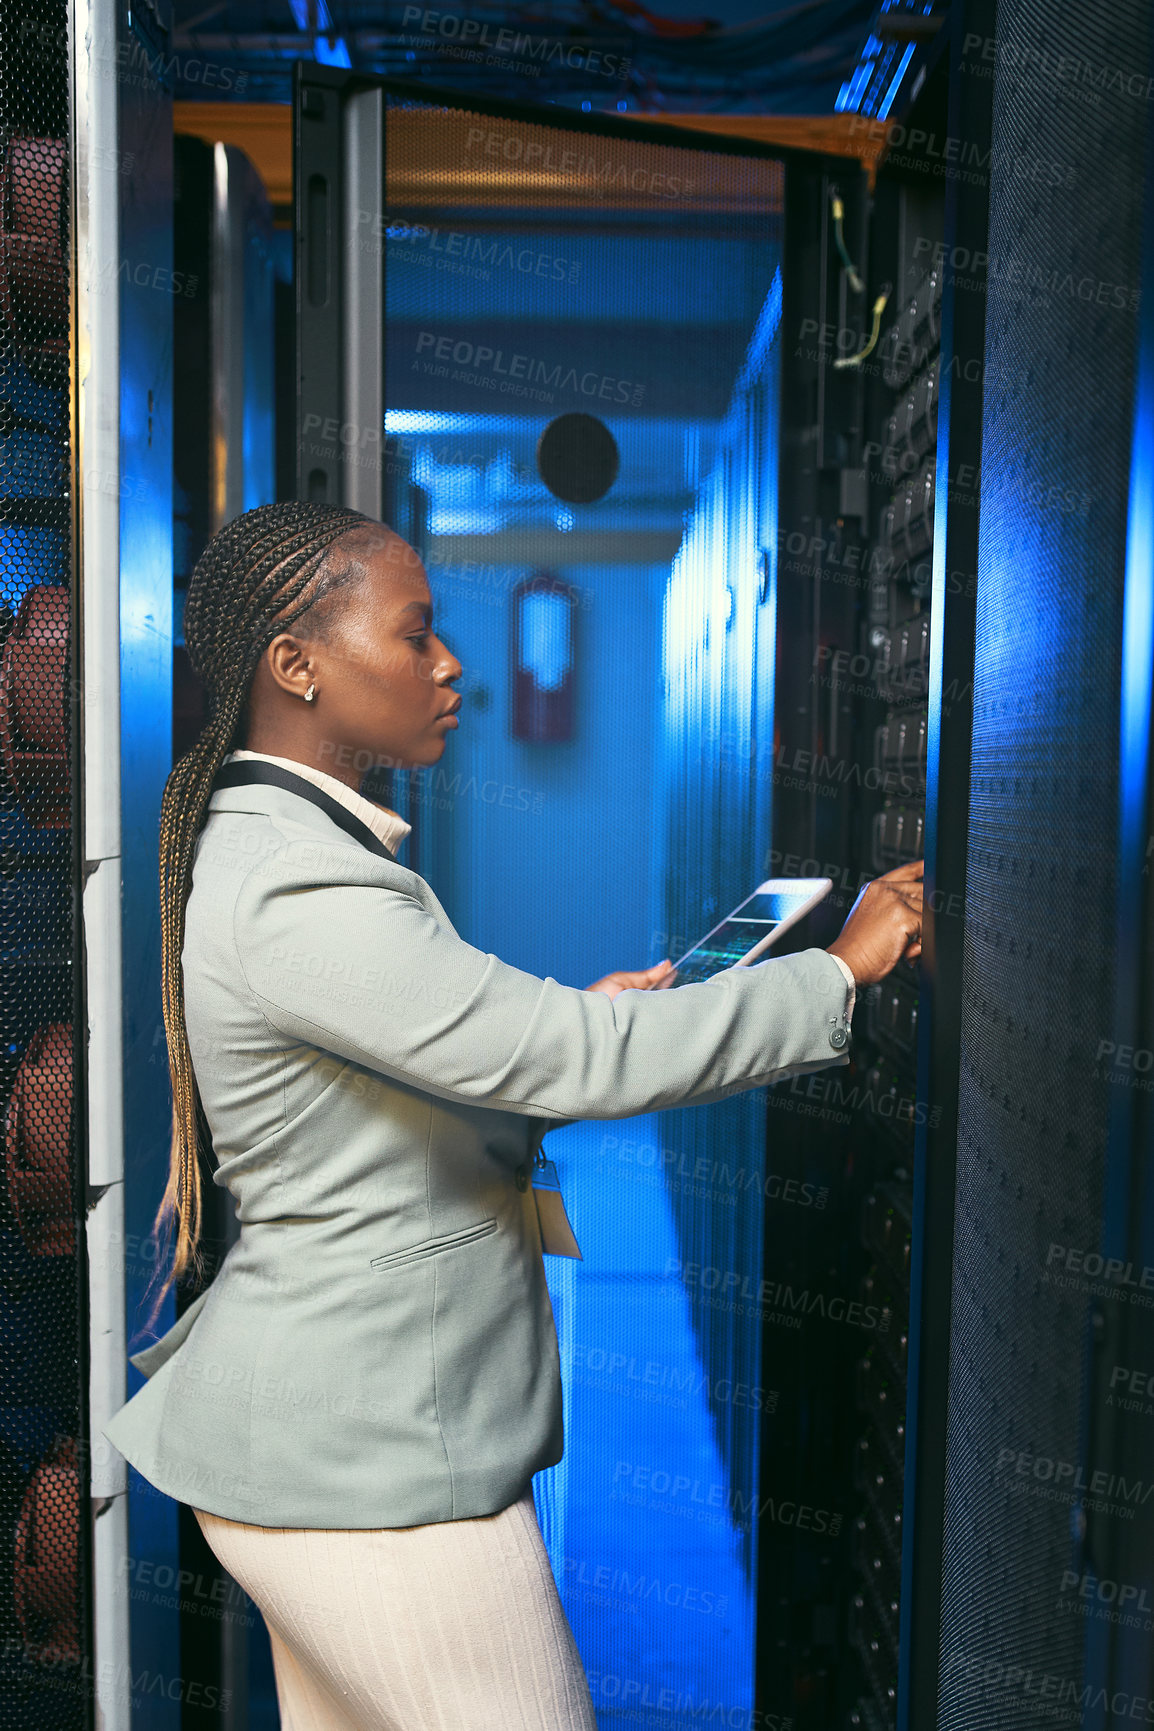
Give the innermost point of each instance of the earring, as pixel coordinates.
(311, 692)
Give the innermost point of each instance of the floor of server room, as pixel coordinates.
(648, 1560)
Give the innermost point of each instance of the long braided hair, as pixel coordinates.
(257, 576)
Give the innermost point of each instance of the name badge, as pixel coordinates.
(556, 1233)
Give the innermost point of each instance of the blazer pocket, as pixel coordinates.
(434, 1246)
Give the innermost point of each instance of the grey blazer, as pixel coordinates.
(377, 1348)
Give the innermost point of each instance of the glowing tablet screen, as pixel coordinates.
(758, 916)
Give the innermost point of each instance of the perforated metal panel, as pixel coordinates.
(43, 1484)
(1033, 1495)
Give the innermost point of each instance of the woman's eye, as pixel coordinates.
(421, 637)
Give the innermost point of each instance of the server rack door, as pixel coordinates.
(1006, 453)
(875, 747)
(549, 348)
(1047, 1541)
(45, 1464)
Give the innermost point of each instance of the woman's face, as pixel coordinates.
(382, 676)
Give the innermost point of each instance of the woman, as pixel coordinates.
(356, 1404)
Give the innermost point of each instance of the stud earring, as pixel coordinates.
(310, 693)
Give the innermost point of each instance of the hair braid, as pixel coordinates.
(256, 577)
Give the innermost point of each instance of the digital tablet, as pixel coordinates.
(753, 926)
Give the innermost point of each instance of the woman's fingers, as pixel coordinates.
(884, 925)
(906, 897)
(911, 870)
(636, 979)
(644, 979)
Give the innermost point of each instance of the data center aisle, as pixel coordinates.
(646, 1553)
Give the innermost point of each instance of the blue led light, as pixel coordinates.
(851, 93)
(331, 53)
(300, 12)
(1138, 624)
(897, 78)
(881, 69)
(876, 71)
(334, 53)
(763, 338)
(402, 421)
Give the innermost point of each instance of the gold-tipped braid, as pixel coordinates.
(256, 577)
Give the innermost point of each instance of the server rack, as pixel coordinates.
(878, 498)
(901, 466)
(1002, 1199)
(900, 452)
(1045, 1502)
(46, 1533)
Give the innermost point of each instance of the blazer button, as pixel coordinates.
(521, 1178)
(837, 1038)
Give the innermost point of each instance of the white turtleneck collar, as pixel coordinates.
(386, 825)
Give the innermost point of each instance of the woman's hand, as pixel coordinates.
(653, 979)
(884, 925)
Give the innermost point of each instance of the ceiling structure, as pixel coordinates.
(758, 75)
(795, 57)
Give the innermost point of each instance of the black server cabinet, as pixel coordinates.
(46, 1543)
(987, 1160)
(1047, 1547)
(861, 421)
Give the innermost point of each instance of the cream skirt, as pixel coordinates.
(454, 1626)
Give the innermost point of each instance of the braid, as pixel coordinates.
(256, 577)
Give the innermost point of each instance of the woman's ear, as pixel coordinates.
(289, 664)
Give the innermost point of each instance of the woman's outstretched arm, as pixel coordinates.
(341, 955)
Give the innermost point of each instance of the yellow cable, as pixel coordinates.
(855, 282)
(856, 360)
